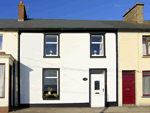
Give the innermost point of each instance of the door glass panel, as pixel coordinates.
(97, 85)
(128, 72)
(97, 71)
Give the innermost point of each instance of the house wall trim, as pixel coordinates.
(56, 105)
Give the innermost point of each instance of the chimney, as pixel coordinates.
(135, 14)
(21, 12)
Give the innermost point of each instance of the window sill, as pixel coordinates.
(145, 96)
(51, 99)
(146, 57)
(2, 97)
(51, 56)
(97, 56)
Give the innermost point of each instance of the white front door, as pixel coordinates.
(97, 88)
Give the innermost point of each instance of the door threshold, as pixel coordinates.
(128, 104)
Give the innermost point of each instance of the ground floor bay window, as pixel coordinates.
(50, 84)
(146, 83)
(2, 81)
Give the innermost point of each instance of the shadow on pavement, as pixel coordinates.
(104, 110)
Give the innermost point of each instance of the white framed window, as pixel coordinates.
(97, 45)
(50, 84)
(1, 42)
(146, 83)
(51, 45)
(146, 45)
(2, 80)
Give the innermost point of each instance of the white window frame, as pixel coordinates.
(101, 44)
(51, 43)
(148, 75)
(3, 82)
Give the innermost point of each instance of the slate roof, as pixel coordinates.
(14, 24)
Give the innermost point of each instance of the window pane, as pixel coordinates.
(51, 38)
(148, 47)
(51, 49)
(50, 87)
(97, 85)
(2, 81)
(96, 38)
(144, 46)
(1, 41)
(146, 85)
(97, 49)
(146, 73)
(50, 73)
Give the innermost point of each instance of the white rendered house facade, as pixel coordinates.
(67, 68)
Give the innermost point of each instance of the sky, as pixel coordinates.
(73, 9)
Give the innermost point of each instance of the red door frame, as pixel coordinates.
(128, 87)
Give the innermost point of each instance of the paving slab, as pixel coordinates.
(124, 109)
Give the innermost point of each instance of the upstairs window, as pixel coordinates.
(51, 46)
(97, 45)
(1, 42)
(146, 45)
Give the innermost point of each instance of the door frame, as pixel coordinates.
(10, 86)
(134, 87)
(105, 79)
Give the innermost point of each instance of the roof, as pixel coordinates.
(37, 24)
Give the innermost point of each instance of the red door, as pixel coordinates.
(128, 82)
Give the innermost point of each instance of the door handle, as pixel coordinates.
(97, 93)
(127, 88)
(103, 89)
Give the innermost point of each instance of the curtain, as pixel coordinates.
(1, 80)
(101, 51)
(144, 46)
(146, 85)
(148, 47)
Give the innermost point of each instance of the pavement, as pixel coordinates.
(123, 109)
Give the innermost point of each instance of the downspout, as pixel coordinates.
(136, 76)
(19, 68)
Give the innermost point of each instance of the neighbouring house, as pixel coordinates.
(58, 62)
(134, 59)
(8, 69)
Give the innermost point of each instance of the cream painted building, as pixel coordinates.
(8, 69)
(134, 59)
(131, 58)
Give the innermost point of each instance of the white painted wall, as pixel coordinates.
(74, 65)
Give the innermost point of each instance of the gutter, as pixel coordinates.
(75, 29)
